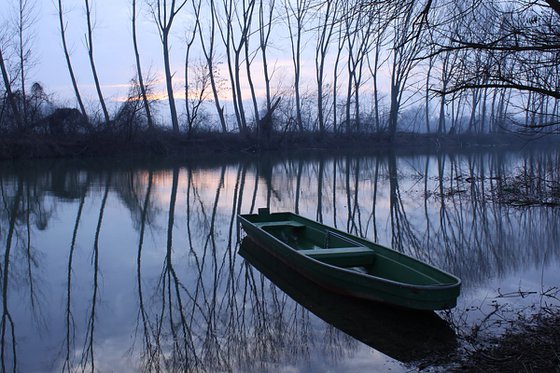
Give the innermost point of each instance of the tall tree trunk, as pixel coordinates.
(22, 58)
(393, 112)
(239, 93)
(335, 79)
(375, 89)
(68, 61)
(192, 112)
(299, 14)
(248, 61)
(441, 121)
(169, 81)
(427, 98)
(243, 19)
(89, 42)
(139, 68)
(164, 14)
(10, 96)
(265, 28)
(208, 51)
(325, 32)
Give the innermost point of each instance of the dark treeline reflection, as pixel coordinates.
(135, 266)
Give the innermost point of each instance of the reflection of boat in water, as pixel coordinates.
(403, 334)
(351, 265)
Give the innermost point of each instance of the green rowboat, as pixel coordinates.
(403, 334)
(350, 265)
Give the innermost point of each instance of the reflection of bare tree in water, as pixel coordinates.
(272, 324)
(212, 349)
(426, 194)
(212, 312)
(372, 220)
(264, 172)
(403, 236)
(474, 235)
(182, 347)
(150, 352)
(88, 355)
(8, 325)
(351, 226)
(23, 208)
(255, 191)
(70, 324)
(226, 316)
(334, 190)
(298, 186)
(320, 181)
(359, 191)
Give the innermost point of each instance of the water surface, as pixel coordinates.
(124, 265)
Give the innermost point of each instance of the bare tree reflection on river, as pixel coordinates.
(164, 266)
(67, 366)
(8, 326)
(88, 356)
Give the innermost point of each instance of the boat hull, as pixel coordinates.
(441, 294)
(400, 333)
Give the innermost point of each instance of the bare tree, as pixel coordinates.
(358, 28)
(62, 26)
(327, 20)
(381, 21)
(524, 34)
(9, 93)
(139, 68)
(89, 45)
(7, 325)
(235, 32)
(511, 46)
(198, 93)
(266, 19)
(446, 62)
(209, 51)
(296, 16)
(24, 23)
(409, 24)
(427, 95)
(165, 13)
(249, 58)
(189, 41)
(340, 48)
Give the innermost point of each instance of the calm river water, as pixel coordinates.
(124, 265)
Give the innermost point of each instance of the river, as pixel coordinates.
(133, 265)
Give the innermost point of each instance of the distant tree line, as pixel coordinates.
(429, 66)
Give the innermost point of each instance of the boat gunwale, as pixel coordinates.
(405, 285)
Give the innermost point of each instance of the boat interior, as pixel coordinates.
(323, 245)
(333, 248)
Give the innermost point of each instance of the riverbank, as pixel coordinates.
(165, 143)
(530, 344)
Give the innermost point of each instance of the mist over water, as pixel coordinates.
(133, 265)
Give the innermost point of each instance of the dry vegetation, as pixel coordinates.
(526, 189)
(530, 345)
(507, 337)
